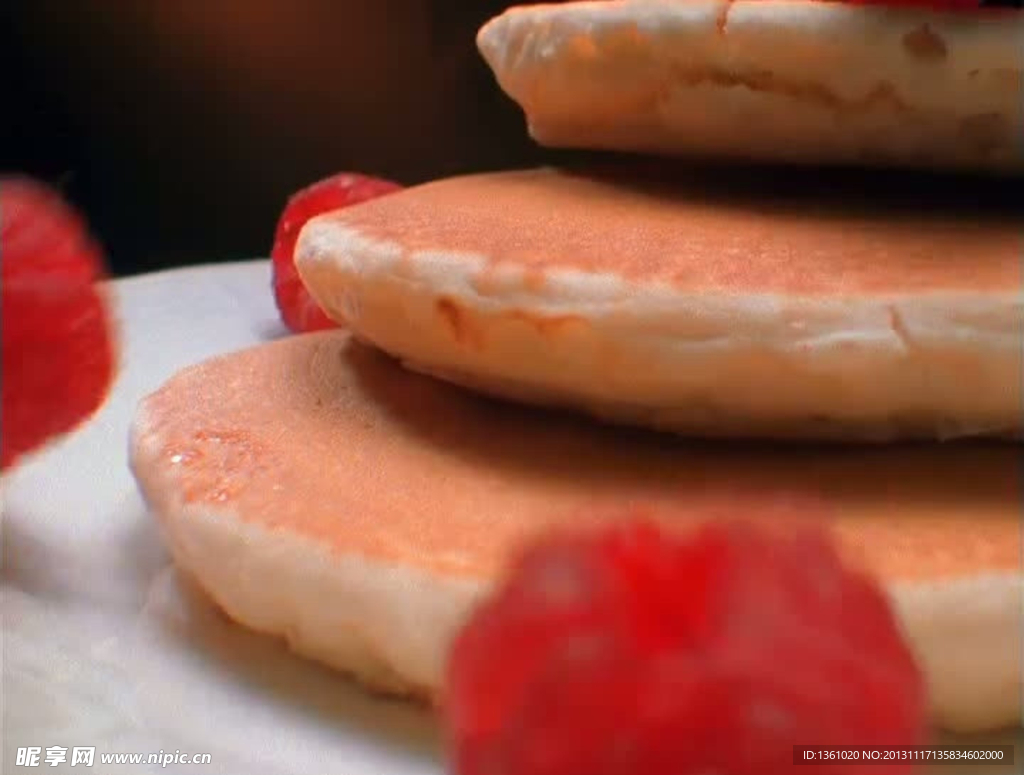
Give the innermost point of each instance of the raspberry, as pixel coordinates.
(298, 310)
(633, 650)
(58, 348)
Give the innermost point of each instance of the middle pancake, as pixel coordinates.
(729, 308)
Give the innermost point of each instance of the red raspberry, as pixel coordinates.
(58, 348)
(633, 651)
(298, 310)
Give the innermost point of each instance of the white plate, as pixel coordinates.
(103, 646)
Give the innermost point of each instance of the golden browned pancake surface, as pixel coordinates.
(325, 438)
(735, 303)
(320, 493)
(808, 83)
(744, 234)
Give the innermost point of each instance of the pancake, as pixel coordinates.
(785, 80)
(722, 305)
(321, 493)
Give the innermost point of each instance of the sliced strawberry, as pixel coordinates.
(58, 340)
(298, 310)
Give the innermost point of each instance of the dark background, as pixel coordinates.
(180, 127)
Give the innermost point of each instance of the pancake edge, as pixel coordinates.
(878, 368)
(782, 80)
(389, 626)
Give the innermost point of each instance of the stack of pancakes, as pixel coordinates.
(557, 347)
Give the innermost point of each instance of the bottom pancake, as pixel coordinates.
(319, 492)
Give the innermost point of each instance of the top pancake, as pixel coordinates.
(784, 80)
(702, 233)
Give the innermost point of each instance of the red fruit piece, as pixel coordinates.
(298, 310)
(634, 651)
(58, 348)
